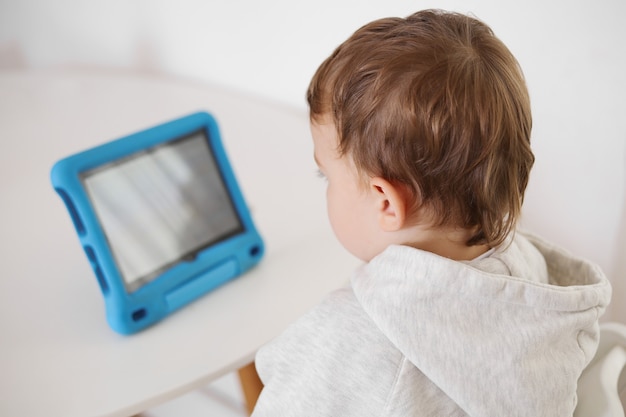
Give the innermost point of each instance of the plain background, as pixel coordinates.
(573, 54)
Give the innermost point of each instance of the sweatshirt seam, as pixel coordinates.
(394, 385)
(580, 331)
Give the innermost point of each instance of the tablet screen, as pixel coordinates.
(160, 206)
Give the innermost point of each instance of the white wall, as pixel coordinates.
(572, 52)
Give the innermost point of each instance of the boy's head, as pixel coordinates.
(437, 106)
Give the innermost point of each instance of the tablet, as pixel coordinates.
(160, 217)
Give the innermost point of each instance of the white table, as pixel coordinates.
(58, 357)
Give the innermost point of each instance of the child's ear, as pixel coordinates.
(391, 203)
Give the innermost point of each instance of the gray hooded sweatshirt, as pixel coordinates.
(420, 335)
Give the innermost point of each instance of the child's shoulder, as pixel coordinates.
(335, 329)
(334, 342)
(339, 317)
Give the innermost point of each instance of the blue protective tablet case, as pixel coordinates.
(160, 217)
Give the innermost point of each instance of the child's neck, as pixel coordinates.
(448, 243)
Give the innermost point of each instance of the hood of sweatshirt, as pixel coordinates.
(511, 330)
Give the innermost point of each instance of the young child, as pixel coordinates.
(421, 127)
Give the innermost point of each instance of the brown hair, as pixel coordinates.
(436, 102)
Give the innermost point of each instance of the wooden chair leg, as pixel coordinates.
(251, 385)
